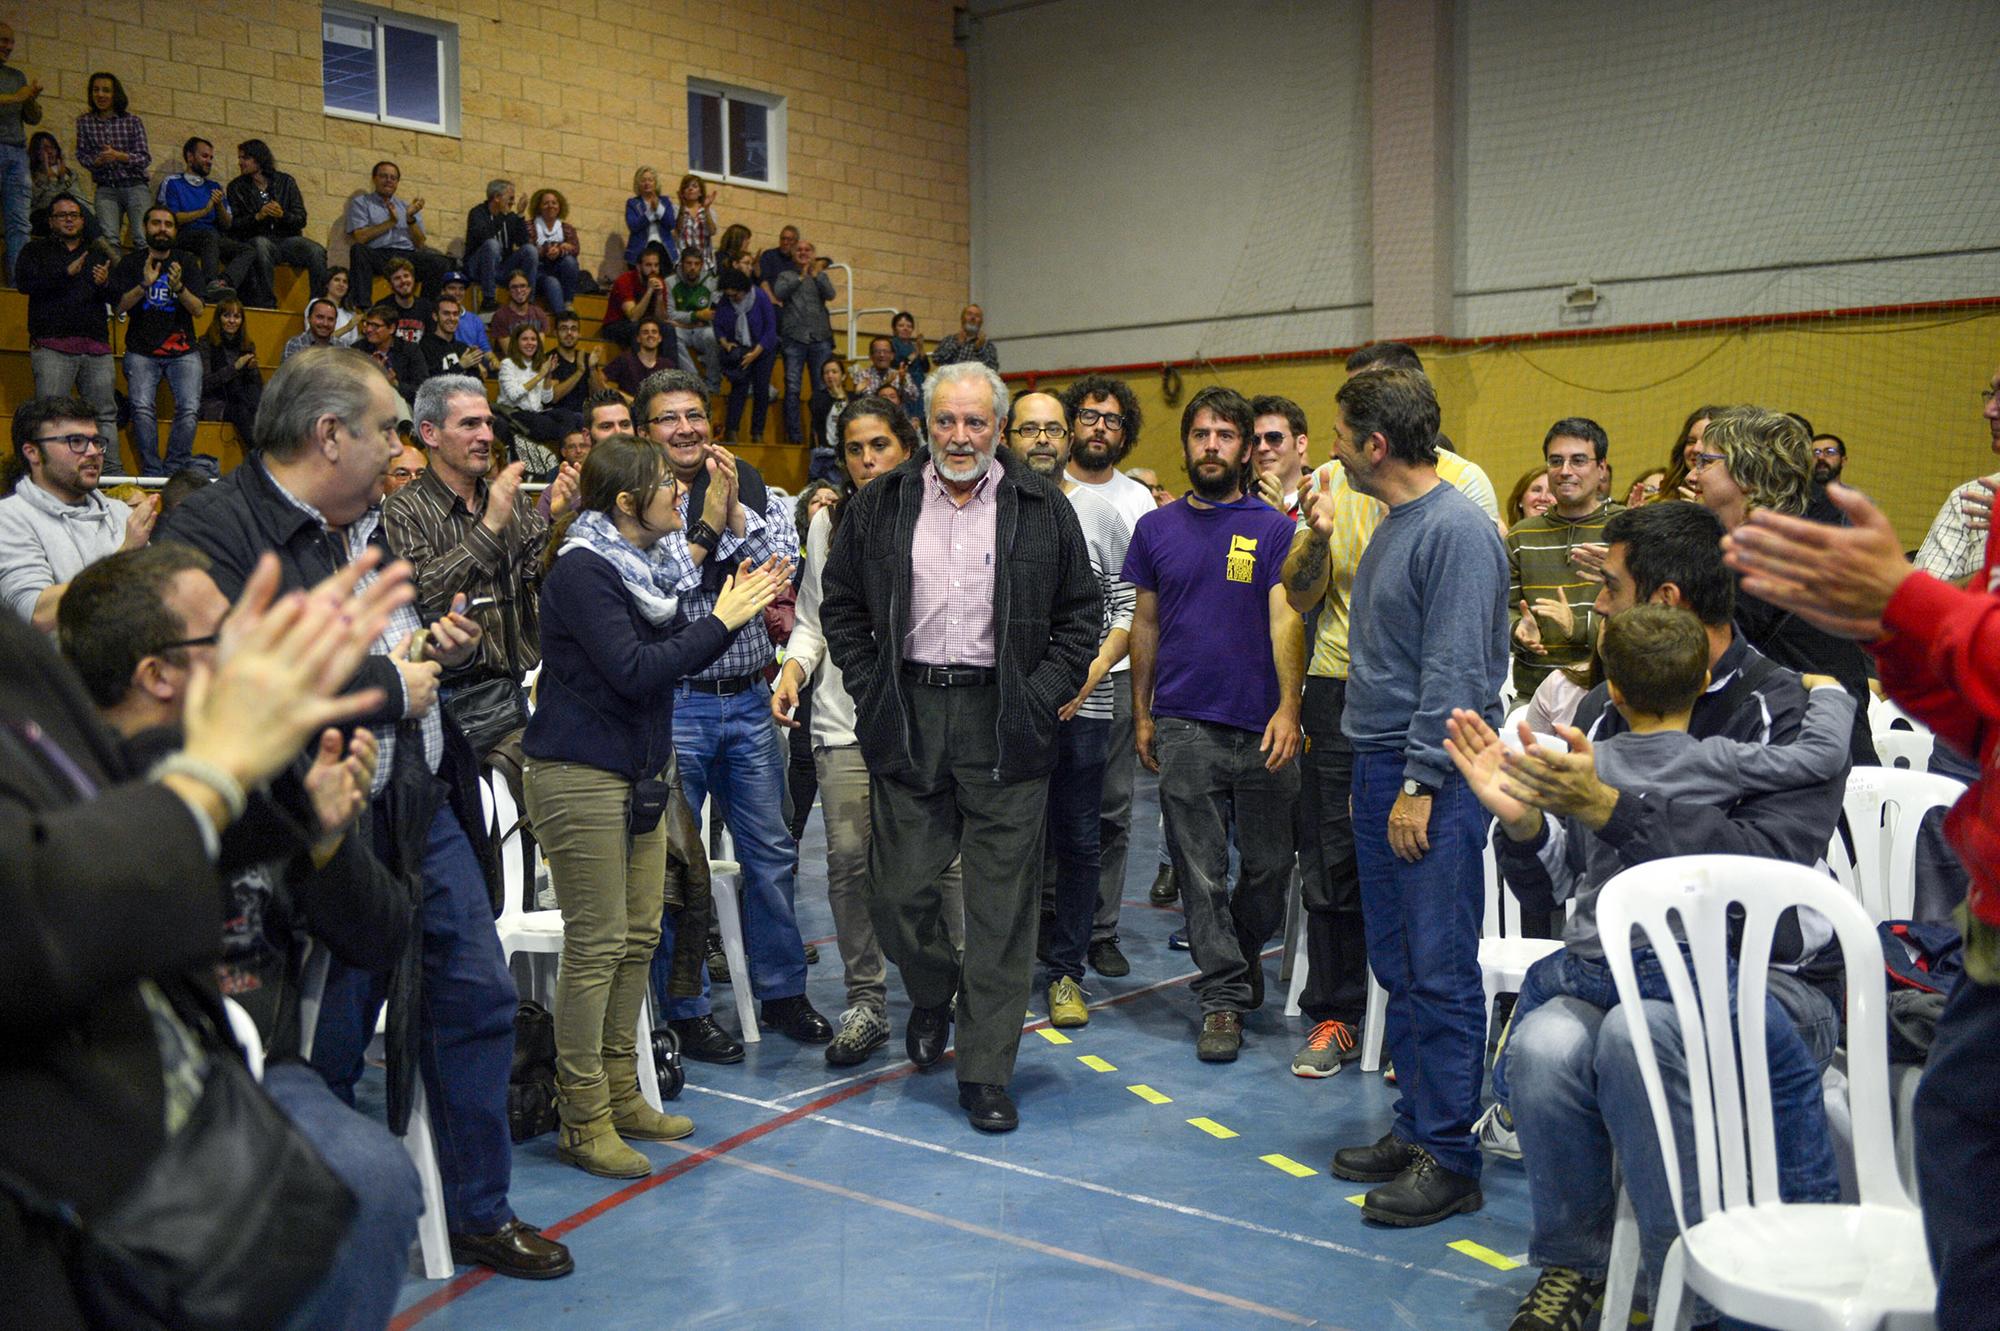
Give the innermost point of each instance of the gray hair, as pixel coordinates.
(496, 187)
(962, 371)
(435, 393)
(310, 386)
(656, 385)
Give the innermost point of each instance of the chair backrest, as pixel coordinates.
(1511, 737)
(1884, 715)
(715, 839)
(1909, 750)
(1691, 898)
(504, 817)
(1883, 811)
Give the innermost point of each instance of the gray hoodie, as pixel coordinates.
(44, 541)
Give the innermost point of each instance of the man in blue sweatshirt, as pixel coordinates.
(1428, 634)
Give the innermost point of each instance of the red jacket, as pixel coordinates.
(1940, 661)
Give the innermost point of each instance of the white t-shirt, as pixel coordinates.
(1131, 499)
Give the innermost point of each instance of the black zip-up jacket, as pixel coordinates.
(60, 305)
(1046, 614)
(244, 201)
(481, 224)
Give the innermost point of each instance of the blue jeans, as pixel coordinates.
(753, 384)
(487, 266)
(1958, 1120)
(16, 195)
(1076, 795)
(1422, 923)
(730, 746)
(797, 356)
(359, 1292)
(142, 385)
(558, 282)
(1577, 1098)
(465, 1031)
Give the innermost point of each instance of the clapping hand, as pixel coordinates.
(139, 522)
(750, 589)
(338, 782)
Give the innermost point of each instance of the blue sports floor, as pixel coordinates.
(811, 1199)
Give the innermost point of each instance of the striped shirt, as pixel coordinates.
(771, 532)
(951, 573)
(1106, 534)
(1539, 569)
(1357, 517)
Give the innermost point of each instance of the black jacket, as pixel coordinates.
(245, 199)
(1046, 614)
(481, 225)
(60, 305)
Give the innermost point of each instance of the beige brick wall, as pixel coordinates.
(574, 95)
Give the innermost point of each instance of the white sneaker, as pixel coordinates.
(1495, 1133)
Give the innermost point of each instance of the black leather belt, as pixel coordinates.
(950, 676)
(725, 688)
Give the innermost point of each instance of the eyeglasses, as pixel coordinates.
(1571, 464)
(78, 444)
(1091, 416)
(973, 424)
(1037, 430)
(1827, 453)
(1703, 461)
(670, 419)
(179, 643)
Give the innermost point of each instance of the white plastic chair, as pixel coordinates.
(1884, 810)
(725, 879)
(1817, 1267)
(1885, 716)
(1909, 750)
(243, 1028)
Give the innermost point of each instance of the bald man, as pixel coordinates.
(969, 342)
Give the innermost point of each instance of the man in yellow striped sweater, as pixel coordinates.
(1553, 582)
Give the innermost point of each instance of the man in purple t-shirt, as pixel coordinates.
(1218, 661)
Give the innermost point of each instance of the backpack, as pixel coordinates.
(531, 1084)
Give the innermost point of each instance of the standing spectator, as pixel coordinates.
(1278, 453)
(520, 311)
(805, 330)
(827, 401)
(379, 225)
(605, 414)
(908, 348)
(111, 142)
(969, 342)
(150, 285)
(268, 214)
(1829, 453)
(734, 248)
(19, 107)
(231, 384)
(526, 390)
(1428, 633)
(1647, 488)
(1548, 594)
(746, 339)
(400, 361)
(608, 602)
(321, 330)
(649, 218)
(928, 611)
(1532, 496)
(636, 293)
(777, 259)
(650, 351)
(556, 248)
(55, 523)
(1146, 476)
(691, 310)
(201, 214)
(695, 226)
(51, 178)
(1220, 726)
(69, 341)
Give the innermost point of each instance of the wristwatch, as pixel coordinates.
(700, 533)
(1417, 790)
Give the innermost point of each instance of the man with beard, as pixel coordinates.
(151, 285)
(961, 610)
(201, 212)
(568, 371)
(322, 323)
(1219, 724)
(1104, 424)
(412, 312)
(55, 523)
(268, 216)
(1038, 432)
(1829, 453)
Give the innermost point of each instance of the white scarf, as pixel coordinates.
(645, 573)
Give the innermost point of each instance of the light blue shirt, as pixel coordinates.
(369, 210)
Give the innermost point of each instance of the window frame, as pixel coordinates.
(443, 32)
(775, 134)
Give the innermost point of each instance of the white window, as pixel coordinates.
(389, 68)
(736, 135)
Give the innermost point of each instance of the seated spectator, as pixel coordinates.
(50, 178)
(111, 144)
(827, 402)
(882, 369)
(969, 342)
(268, 214)
(180, 485)
(69, 340)
(471, 328)
(444, 351)
(637, 293)
(778, 259)
(497, 241)
(605, 414)
(519, 311)
(746, 338)
(340, 289)
(525, 390)
(150, 285)
(55, 524)
(1531, 496)
(691, 311)
(201, 213)
(651, 350)
(401, 362)
(322, 330)
(381, 226)
(575, 447)
(649, 219)
(407, 465)
(805, 333)
(231, 384)
(556, 248)
(694, 223)
(413, 313)
(569, 366)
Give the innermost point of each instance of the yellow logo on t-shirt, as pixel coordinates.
(1242, 559)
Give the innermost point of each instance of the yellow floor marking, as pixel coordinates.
(1150, 1096)
(1480, 1253)
(1289, 1165)
(1095, 1064)
(1212, 1128)
(1358, 1198)
(1051, 1035)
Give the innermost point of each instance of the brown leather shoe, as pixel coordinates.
(516, 1249)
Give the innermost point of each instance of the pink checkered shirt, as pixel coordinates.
(951, 574)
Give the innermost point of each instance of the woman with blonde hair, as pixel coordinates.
(649, 218)
(556, 245)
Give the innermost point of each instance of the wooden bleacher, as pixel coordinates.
(270, 329)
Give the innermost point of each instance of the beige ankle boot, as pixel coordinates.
(630, 1113)
(587, 1138)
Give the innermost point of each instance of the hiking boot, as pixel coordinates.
(1221, 1037)
(596, 1148)
(1107, 960)
(863, 1030)
(1495, 1132)
(1066, 1005)
(1562, 1300)
(1375, 1163)
(1329, 1044)
(634, 1119)
(1164, 891)
(1423, 1194)
(718, 961)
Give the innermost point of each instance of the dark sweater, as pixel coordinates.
(482, 224)
(245, 199)
(60, 305)
(606, 696)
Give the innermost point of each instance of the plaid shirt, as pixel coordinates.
(1952, 550)
(402, 622)
(126, 133)
(764, 534)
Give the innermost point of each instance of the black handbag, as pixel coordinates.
(230, 1227)
(486, 710)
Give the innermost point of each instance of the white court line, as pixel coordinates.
(1138, 1198)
